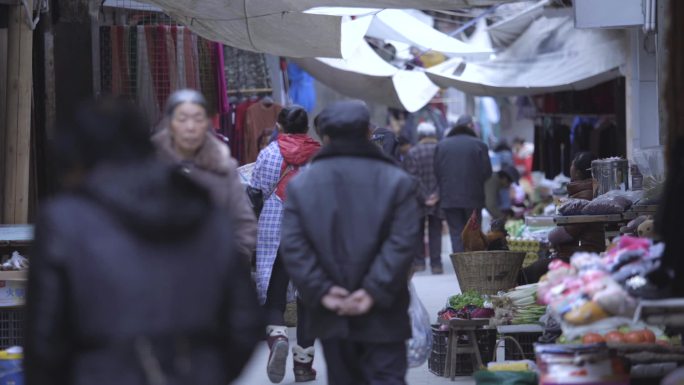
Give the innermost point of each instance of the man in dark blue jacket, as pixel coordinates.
(348, 240)
(462, 167)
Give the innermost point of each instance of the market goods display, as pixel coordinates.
(579, 364)
(612, 202)
(517, 307)
(573, 206)
(468, 305)
(16, 262)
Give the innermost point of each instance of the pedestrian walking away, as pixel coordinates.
(135, 277)
(349, 232)
(462, 166)
(419, 162)
(185, 140)
(275, 167)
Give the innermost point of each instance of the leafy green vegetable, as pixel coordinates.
(459, 301)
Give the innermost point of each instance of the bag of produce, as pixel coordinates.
(573, 207)
(420, 344)
(612, 202)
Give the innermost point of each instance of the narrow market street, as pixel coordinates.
(433, 291)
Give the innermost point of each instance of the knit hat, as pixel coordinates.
(345, 120)
(426, 129)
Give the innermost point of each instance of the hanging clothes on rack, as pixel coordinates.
(260, 117)
(146, 63)
(237, 145)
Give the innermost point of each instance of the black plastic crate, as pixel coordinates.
(526, 341)
(11, 327)
(486, 342)
(437, 359)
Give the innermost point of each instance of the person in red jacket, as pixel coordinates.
(275, 167)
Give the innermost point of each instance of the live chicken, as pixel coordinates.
(472, 235)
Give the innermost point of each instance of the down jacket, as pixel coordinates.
(214, 169)
(351, 220)
(133, 280)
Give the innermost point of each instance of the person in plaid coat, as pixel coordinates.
(419, 162)
(276, 165)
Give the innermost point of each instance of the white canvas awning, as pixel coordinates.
(550, 56)
(503, 33)
(399, 25)
(281, 27)
(366, 76)
(258, 26)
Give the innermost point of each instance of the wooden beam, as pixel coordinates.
(18, 135)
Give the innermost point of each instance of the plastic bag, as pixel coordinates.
(612, 202)
(420, 344)
(573, 207)
(484, 377)
(651, 164)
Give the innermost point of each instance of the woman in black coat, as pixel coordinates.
(133, 279)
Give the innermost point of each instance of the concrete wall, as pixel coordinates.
(643, 123)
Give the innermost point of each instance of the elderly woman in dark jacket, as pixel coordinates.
(134, 278)
(188, 142)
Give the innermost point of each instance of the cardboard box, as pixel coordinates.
(13, 288)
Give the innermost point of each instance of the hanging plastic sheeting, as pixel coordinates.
(550, 56)
(260, 26)
(366, 76)
(281, 27)
(400, 25)
(480, 37)
(504, 32)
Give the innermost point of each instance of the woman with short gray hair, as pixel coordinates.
(186, 140)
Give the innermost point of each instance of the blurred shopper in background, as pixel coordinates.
(135, 276)
(462, 166)
(420, 162)
(276, 165)
(186, 141)
(349, 232)
(498, 191)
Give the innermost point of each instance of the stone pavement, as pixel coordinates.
(433, 292)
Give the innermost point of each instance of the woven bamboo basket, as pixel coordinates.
(487, 272)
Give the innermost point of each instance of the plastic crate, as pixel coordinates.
(11, 326)
(437, 359)
(526, 341)
(486, 342)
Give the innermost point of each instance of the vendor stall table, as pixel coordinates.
(455, 350)
(16, 234)
(664, 312)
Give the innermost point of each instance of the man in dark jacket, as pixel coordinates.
(135, 278)
(348, 240)
(419, 162)
(462, 167)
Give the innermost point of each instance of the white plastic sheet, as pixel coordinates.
(366, 76)
(281, 27)
(503, 33)
(550, 56)
(400, 25)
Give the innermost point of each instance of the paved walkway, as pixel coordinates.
(432, 290)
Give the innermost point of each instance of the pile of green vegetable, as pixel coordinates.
(517, 307)
(462, 300)
(528, 314)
